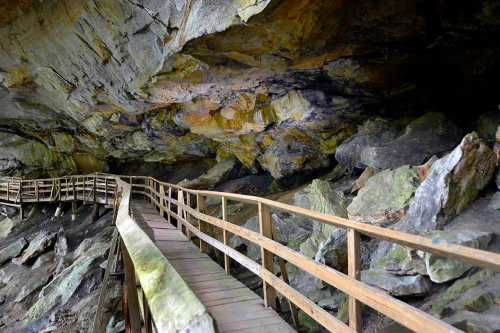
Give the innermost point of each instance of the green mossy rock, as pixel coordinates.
(386, 196)
(442, 270)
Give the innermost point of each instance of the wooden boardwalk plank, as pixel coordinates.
(234, 307)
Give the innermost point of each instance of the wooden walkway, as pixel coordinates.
(233, 306)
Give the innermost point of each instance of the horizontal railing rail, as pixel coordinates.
(188, 208)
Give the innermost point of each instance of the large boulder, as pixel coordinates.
(441, 269)
(213, 176)
(455, 296)
(38, 245)
(373, 132)
(397, 285)
(385, 197)
(431, 134)
(453, 183)
(293, 151)
(404, 261)
(7, 225)
(326, 243)
(60, 290)
(12, 250)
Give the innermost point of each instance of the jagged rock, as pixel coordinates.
(363, 178)
(291, 152)
(403, 261)
(308, 285)
(326, 241)
(442, 270)
(7, 225)
(373, 132)
(217, 174)
(12, 250)
(396, 285)
(292, 106)
(400, 260)
(252, 250)
(35, 281)
(453, 183)
(251, 185)
(453, 299)
(38, 245)
(63, 286)
(44, 260)
(8, 211)
(431, 134)
(61, 246)
(386, 196)
(473, 322)
(480, 303)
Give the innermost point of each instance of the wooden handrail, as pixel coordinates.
(358, 291)
(172, 305)
(175, 201)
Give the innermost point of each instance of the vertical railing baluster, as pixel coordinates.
(180, 201)
(353, 268)
(162, 200)
(169, 204)
(266, 230)
(201, 206)
(187, 215)
(225, 236)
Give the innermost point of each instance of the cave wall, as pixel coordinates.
(277, 84)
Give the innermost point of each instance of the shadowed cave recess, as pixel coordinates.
(350, 108)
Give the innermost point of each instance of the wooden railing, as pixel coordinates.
(187, 208)
(88, 188)
(185, 205)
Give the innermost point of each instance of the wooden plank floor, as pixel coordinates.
(233, 306)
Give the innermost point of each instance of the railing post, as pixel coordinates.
(105, 190)
(169, 204)
(21, 199)
(201, 207)
(353, 267)
(225, 234)
(187, 216)
(95, 189)
(130, 297)
(180, 202)
(266, 229)
(162, 200)
(150, 188)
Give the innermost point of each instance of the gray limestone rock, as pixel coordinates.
(12, 250)
(431, 134)
(397, 285)
(453, 183)
(38, 245)
(386, 196)
(372, 133)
